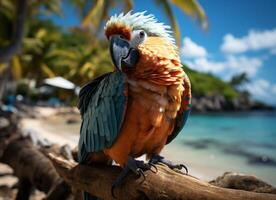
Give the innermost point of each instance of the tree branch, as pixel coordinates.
(7, 52)
(165, 184)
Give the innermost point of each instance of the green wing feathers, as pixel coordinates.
(102, 104)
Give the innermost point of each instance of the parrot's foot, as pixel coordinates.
(136, 166)
(160, 159)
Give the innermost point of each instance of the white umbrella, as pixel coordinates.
(60, 83)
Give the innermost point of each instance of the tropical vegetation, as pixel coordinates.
(81, 53)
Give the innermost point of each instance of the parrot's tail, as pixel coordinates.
(87, 196)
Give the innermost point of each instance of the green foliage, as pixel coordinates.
(206, 84)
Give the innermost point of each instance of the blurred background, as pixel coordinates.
(50, 48)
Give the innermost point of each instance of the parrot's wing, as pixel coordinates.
(102, 103)
(184, 111)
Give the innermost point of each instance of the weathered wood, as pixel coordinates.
(165, 184)
(24, 189)
(32, 167)
(30, 164)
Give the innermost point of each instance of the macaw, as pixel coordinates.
(139, 107)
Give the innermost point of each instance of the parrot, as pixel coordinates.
(141, 105)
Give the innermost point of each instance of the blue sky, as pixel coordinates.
(241, 38)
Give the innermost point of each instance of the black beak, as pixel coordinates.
(122, 53)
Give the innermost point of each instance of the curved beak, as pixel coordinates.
(122, 53)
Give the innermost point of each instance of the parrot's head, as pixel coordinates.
(140, 44)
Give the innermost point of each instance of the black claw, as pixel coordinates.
(152, 165)
(160, 159)
(112, 192)
(141, 173)
(183, 166)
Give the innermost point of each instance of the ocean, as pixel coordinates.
(211, 144)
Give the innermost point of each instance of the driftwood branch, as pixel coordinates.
(165, 184)
(30, 163)
(33, 169)
(7, 52)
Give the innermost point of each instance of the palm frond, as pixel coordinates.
(167, 9)
(92, 16)
(193, 9)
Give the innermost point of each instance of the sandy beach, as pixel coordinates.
(62, 126)
(52, 124)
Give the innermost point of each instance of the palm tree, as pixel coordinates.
(82, 55)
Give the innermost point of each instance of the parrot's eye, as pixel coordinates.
(142, 34)
(138, 37)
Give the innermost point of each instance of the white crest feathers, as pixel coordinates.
(147, 23)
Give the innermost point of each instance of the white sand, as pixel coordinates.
(52, 125)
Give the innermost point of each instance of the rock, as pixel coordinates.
(202, 143)
(253, 159)
(4, 123)
(261, 106)
(243, 182)
(72, 120)
(262, 160)
(217, 102)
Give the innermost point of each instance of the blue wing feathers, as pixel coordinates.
(87, 91)
(102, 105)
(114, 119)
(179, 124)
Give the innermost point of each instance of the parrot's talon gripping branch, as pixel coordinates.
(160, 159)
(136, 166)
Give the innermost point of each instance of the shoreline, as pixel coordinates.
(206, 164)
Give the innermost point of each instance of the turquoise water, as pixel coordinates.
(255, 131)
(214, 143)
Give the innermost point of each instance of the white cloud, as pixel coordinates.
(244, 64)
(196, 57)
(205, 65)
(262, 90)
(254, 40)
(192, 50)
(230, 66)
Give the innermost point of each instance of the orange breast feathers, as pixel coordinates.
(159, 62)
(155, 96)
(159, 75)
